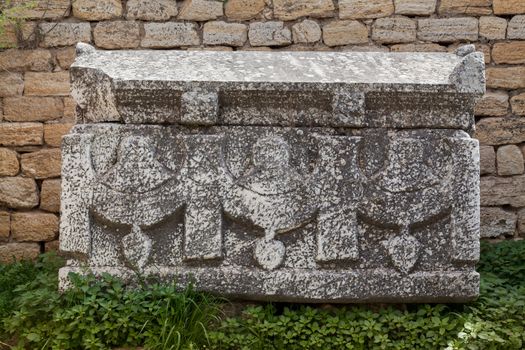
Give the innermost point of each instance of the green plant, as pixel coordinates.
(505, 260)
(495, 321)
(12, 15)
(101, 313)
(22, 273)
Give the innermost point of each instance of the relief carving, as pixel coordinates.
(271, 195)
(297, 176)
(406, 183)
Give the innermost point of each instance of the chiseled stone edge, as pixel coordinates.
(469, 75)
(316, 286)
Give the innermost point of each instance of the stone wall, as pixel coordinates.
(36, 110)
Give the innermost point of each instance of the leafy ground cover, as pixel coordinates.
(102, 313)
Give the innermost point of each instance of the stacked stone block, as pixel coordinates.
(36, 110)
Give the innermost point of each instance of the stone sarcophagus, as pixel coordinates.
(286, 176)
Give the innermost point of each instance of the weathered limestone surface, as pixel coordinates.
(9, 165)
(21, 134)
(394, 30)
(448, 29)
(117, 34)
(64, 34)
(492, 28)
(307, 31)
(243, 9)
(493, 104)
(151, 10)
(222, 33)
(415, 7)
(355, 182)
(497, 222)
(292, 9)
(516, 28)
(487, 160)
(349, 32)
(269, 34)
(169, 34)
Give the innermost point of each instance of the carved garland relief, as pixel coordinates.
(383, 179)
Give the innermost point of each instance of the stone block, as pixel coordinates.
(50, 195)
(222, 33)
(30, 109)
(269, 34)
(508, 7)
(287, 10)
(508, 190)
(112, 99)
(43, 9)
(65, 57)
(21, 134)
(8, 162)
(521, 222)
(11, 252)
(42, 164)
(500, 131)
(117, 34)
(365, 9)
(15, 35)
(169, 34)
(18, 192)
(34, 226)
(252, 179)
(510, 160)
(243, 9)
(516, 27)
(509, 78)
(394, 30)
(465, 7)
(5, 225)
(64, 34)
(306, 32)
(21, 34)
(151, 10)
(492, 28)
(509, 53)
(337, 33)
(493, 104)
(518, 104)
(496, 222)
(53, 133)
(97, 10)
(201, 10)
(26, 60)
(448, 29)
(47, 84)
(11, 84)
(274, 251)
(487, 160)
(415, 7)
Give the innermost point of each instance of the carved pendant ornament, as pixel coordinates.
(201, 180)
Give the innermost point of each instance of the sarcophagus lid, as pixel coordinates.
(285, 176)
